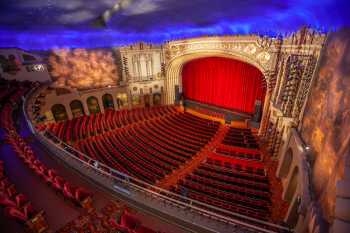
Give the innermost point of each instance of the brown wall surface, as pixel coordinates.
(326, 123)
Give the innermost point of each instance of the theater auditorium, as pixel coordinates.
(162, 116)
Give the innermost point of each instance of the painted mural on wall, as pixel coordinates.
(326, 123)
(83, 69)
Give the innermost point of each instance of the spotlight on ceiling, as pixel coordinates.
(103, 19)
(99, 22)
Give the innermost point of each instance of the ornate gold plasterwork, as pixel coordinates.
(263, 57)
(249, 51)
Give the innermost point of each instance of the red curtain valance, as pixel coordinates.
(223, 82)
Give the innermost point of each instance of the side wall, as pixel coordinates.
(326, 128)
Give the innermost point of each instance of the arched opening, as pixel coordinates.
(223, 82)
(77, 108)
(59, 112)
(107, 100)
(122, 100)
(93, 105)
(286, 163)
(156, 99)
(136, 101)
(147, 100)
(292, 186)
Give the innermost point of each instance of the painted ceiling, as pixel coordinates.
(45, 24)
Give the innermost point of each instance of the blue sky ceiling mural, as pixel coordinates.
(44, 24)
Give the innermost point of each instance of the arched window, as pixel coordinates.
(147, 100)
(157, 99)
(286, 163)
(59, 112)
(107, 100)
(122, 100)
(77, 108)
(93, 105)
(135, 100)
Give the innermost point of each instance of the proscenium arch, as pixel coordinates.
(174, 69)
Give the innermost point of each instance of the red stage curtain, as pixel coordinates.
(223, 82)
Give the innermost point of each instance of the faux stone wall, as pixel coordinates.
(326, 123)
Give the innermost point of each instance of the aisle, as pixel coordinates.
(196, 160)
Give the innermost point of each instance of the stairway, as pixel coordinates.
(196, 160)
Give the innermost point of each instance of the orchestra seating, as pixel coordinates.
(240, 138)
(149, 144)
(234, 186)
(159, 145)
(95, 124)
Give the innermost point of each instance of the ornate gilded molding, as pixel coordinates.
(246, 48)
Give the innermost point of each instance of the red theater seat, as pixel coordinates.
(143, 229)
(129, 221)
(81, 194)
(5, 200)
(58, 183)
(117, 227)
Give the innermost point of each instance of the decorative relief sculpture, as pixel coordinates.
(263, 57)
(250, 49)
(264, 42)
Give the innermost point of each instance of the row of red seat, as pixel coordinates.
(240, 200)
(83, 127)
(240, 138)
(16, 205)
(23, 150)
(203, 126)
(229, 189)
(190, 139)
(218, 202)
(130, 224)
(147, 150)
(237, 152)
(232, 178)
(238, 164)
(77, 194)
(237, 167)
(118, 159)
